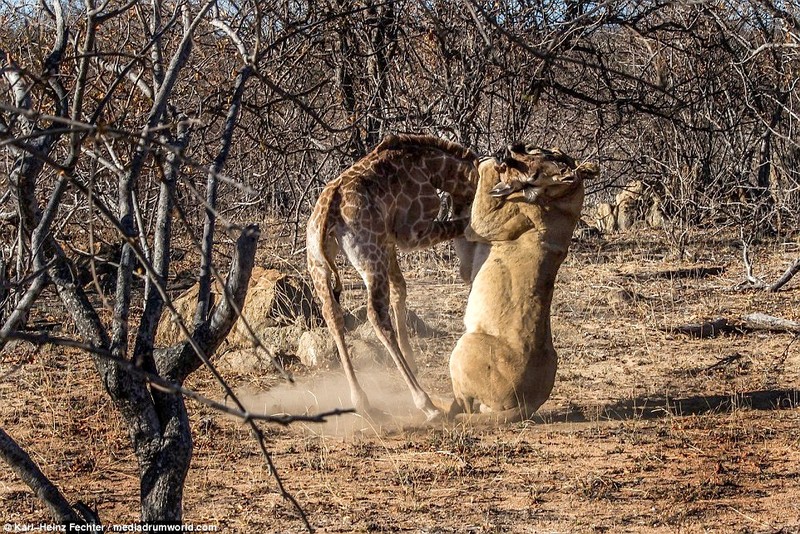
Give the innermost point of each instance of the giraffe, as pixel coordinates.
(386, 202)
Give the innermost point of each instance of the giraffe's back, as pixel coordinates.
(393, 192)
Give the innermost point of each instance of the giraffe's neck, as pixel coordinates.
(447, 166)
(453, 175)
(458, 177)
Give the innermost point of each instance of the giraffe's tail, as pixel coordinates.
(320, 254)
(337, 281)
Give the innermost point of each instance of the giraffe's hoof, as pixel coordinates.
(433, 415)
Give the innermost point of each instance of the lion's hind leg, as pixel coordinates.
(483, 371)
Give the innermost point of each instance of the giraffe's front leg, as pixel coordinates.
(425, 234)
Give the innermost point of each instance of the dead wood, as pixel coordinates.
(751, 281)
(9, 217)
(793, 269)
(708, 329)
(677, 274)
(761, 321)
(749, 323)
(727, 360)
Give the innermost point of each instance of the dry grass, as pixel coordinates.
(645, 431)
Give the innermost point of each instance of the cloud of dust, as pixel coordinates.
(329, 390)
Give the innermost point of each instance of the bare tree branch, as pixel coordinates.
(793, 269)
(26, 469)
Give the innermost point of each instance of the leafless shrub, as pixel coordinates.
(117, 117)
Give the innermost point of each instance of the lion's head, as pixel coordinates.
(536, 171)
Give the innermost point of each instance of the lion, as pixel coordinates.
(525, 210)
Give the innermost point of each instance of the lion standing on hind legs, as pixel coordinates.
(387, 201)
(525, 210)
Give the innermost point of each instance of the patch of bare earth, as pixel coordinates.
(646, 431)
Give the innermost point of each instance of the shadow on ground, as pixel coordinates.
(659, 407)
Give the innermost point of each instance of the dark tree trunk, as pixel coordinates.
(164, 463)
(381, 24)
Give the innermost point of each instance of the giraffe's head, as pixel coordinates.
(536, 171)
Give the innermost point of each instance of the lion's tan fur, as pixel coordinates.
(505, 362)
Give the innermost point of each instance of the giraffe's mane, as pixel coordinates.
(409, 141)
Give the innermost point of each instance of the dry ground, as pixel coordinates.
(646, 431)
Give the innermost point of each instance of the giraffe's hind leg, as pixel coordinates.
(373, 260)
(333, 315)
(378, 313)
(400, 312)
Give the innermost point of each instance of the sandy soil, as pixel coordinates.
(646, 430)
